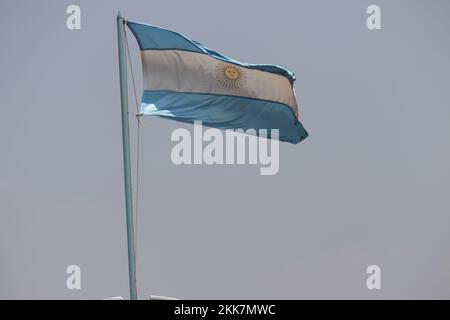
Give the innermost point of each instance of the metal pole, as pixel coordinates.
(126, 156)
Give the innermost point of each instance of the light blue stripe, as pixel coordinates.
(156, 38)
(152, 37)
(224, 112)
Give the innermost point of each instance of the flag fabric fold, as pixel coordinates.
(187, 82)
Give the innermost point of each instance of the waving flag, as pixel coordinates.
(186, 81)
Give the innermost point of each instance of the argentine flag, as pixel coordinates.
(186, 81)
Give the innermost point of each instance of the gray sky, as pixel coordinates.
(369, 186)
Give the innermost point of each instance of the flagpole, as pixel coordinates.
(126, 156)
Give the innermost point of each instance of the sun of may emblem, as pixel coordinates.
(230, 76)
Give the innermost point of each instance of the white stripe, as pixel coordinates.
(184, 71)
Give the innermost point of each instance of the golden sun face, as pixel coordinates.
(231, 73)
(230, 76)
